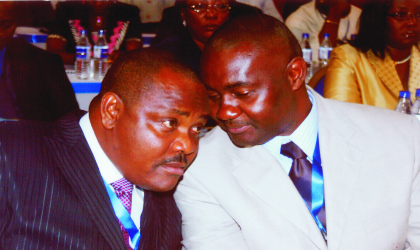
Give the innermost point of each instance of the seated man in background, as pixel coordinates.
(61, 183)
(288, 169)
(336, 17)
(33, 82)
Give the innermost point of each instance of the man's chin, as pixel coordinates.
(163, 186)
(239, 141)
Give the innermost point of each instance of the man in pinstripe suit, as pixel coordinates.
(142, 128)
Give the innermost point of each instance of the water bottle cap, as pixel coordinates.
(326, 35)
(405, 94)
(83, 32)
(305, 35)
(101, 32)
(417, 92)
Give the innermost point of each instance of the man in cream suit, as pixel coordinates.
(243, 191)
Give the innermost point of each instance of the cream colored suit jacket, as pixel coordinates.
(241, 198)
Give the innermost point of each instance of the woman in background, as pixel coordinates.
(382, 60)
(190, 23)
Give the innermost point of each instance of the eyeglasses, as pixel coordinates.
(404, 16)
(200, 8)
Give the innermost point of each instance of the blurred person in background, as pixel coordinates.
(193, 22)
(336, 17)
(121, 22)
(33, 82)
(383, 59)
(150, 12)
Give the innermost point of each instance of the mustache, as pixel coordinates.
(177, 158)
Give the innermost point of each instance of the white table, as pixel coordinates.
(85, 90)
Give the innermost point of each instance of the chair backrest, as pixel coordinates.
(317, 81)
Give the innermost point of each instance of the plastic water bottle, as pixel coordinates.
(82, 64)
(404, 104)
(100, 54)
(307, 55)
(325, 50)
(416, 107)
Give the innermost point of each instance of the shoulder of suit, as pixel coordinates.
(303, 13)
(215, 136)
(22, 49)
(360, 116)
(18, 131)
(214, 144)
(347, 53)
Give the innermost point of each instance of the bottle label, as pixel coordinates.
(307, 55)
(82, 52)
(324, 53)
(100, 52)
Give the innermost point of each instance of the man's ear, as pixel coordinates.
(111, 109)
(296, 73)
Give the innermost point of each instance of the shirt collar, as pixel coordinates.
(107, 169)
(304, 136)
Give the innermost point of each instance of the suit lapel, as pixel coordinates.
(262, 174)
(414, 79)
(386, 71)
(75, 159)
(160, 222)
(341, 161)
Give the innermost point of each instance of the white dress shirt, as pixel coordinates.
(307, 19)
(108, 171)
(304, 136)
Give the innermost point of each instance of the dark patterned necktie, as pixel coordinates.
(124, 191)
(301, 175)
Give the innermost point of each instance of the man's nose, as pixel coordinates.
(185, 143)
(228, 110)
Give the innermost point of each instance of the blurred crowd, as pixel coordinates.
(370, 66)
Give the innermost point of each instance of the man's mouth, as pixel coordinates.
(175, 168)
(237, 128)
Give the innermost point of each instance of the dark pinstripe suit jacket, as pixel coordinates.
(53, 196)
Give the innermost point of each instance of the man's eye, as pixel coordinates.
(212, 94)
(197, 129)
(242, 93)
(169, 124)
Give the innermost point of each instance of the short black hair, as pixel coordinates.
(133, 74)
(373, 27)
(258, 29)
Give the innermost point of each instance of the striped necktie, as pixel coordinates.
(124, 191)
